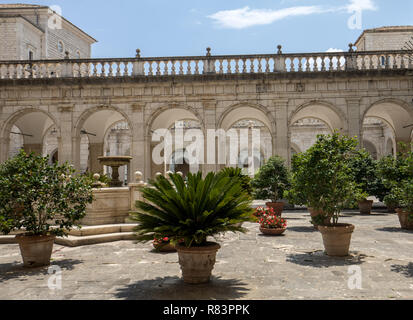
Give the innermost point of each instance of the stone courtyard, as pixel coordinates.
(249, 267)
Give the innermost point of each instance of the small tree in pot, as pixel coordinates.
(191, 212)
(42, 200)
(405, 198)
(364, 169)
(271, 182)
(327, 177)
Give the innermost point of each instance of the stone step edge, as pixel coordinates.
(102, 229)
(74, 241)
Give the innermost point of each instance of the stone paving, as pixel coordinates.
(249, 266)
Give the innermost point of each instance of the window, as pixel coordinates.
(60, 47)
(77, 54)
(30, 55)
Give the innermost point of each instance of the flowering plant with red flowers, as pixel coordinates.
(272, 221)
(260, 212)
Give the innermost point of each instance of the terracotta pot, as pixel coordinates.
(272, 232)
(36, 251)
(391, 209)
(366, 206)
(277, 206)
(165, 248)
(404, 219)
(197, 263)
(316, 213)
(337, 239)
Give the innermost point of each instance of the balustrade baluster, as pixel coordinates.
(267, 65)
(197, 67)
(181, 67)
(300, 65)
(189, 70)
(308, 65)
(229, 70)
(323, 64)
(244, 65)
(315, 64)
(259, 65)
(126, 69)
(237, 62)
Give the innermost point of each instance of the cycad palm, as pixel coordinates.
(191, 211)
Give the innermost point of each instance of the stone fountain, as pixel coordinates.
(115, 162)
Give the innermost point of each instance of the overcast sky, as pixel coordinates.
(187, 27)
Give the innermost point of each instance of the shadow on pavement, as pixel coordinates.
(400, 230)
(173, 288)
(320, 260)
(11, 271)
(302, 229)
(405, 270)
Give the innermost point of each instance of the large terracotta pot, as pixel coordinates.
(277, 206)
(337, 239)
(272, 232)
(366, 206)
(404, 219)
(36, 251)
(197, 263)
(315, 213)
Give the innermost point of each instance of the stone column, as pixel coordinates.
(354, 119)
(4, 149)
(210, 124)
(138, 147)
(95, 151)
(65, 140)
(282, 139)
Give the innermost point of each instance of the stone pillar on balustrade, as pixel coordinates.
(135, 190)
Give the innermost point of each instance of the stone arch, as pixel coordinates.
(96, 121)
(295, 148)
(36, 126)
(90, 111)
(321, 110)
(397, 113)
(159, 117)
(233, 114)
(371, 148)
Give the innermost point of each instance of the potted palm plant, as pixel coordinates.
(271, 182)
(41, 200)
(326, 173)
(192, 212)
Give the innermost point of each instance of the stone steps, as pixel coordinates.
(89, 235)
(73, 241)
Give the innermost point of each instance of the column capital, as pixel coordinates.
(65, 107)
(353, 100)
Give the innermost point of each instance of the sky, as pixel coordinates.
(187, 27)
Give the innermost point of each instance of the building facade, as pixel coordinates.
(76, 110)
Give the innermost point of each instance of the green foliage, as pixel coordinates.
(272, 180)
(366, 176)
(237, 173)
(191, 211)
(322, 177)
(396, 172)
(39, 198)
(403, 193)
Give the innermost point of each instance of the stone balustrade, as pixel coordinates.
(201, 65)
